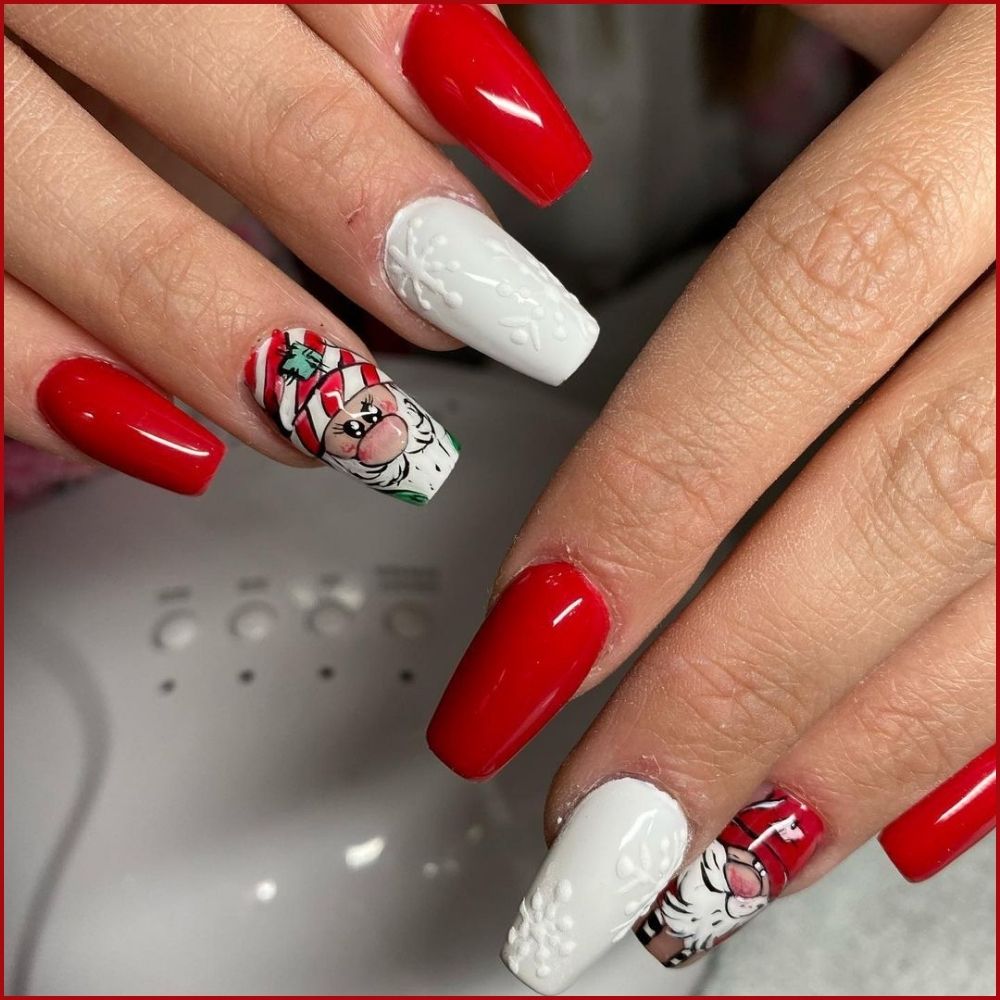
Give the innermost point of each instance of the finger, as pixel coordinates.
(832, 275)
(290, 128)
(455, 71)
(887, 525)
(66, 393)
(879, 31)
(183, 301)
(925, 712)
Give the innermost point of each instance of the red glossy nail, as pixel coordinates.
(945, 823)
(530, 655)
(119, 420)
(483, 87)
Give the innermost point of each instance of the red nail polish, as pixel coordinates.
(746, 867)
(483, 87)
(525, 662)
(945, 823)
(116, 419)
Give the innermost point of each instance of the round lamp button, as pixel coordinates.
(176, 632)
(408, 621)
(253, 622)
(330, 619)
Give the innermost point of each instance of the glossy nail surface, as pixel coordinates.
(612, 857)
(747, 866)
(456, 268)
(945, 823)
(338, 407)
(119, 420)
(527, 659)
(478, 81)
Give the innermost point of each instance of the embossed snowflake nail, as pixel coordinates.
(612, 858)
(461, 272)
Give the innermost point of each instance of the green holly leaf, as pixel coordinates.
(301, 362)
(455, 443)
(409, 496)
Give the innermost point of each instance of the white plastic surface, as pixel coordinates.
(264, 817)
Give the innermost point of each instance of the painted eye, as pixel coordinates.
(354, 429)
(371, 414)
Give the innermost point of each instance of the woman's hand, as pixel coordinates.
(841, 662)
(322, 119)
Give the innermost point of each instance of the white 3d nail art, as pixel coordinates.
(617, 851)
(337, 406)
(461, 272)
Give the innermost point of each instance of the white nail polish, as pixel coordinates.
(613, 857)
(461, 272)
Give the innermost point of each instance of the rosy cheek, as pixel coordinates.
(346, 449)
(388, 405)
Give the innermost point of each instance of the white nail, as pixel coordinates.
(617, 851)
(461, 272)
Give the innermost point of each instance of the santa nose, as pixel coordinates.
(383, 441)
(743, 880)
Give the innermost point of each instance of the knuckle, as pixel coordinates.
(938, 469)
(161, 276)
(903, 741)
(825, 280)
(661, 488)
(319, 138)
(747, 705)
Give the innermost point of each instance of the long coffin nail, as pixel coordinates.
(337, 406)
(945, 823)
(119, 420)
(462, 273)
(483, 87)
(525, 662)
(740, 872)
(611, 859)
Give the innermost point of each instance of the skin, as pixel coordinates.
(874, 566)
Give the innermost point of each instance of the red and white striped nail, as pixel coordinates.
(337, 406)
(748, 865)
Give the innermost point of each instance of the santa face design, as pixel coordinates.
(339, 407)
(739, 873)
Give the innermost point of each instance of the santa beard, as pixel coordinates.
(700, 908)
(425, 438)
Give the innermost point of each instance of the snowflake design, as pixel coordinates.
(542, 930)
(641, 879)
(421, 270)
(562, 306)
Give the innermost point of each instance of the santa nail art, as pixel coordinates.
(460, 271)
(740, 872)
(337, 406)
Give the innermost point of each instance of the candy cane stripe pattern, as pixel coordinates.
(337, 406)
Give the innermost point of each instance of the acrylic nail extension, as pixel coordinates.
(462, 273)
(747, 866)
(122, 422)
(483, 87)
(528, 658)
(337, 406)
(945, 823)
(611, 859)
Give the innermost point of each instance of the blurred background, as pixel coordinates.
(216, 776)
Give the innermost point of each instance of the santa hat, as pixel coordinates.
(756, 829)
(303, 382)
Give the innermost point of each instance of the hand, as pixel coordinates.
(841, 662)
(322, 119)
